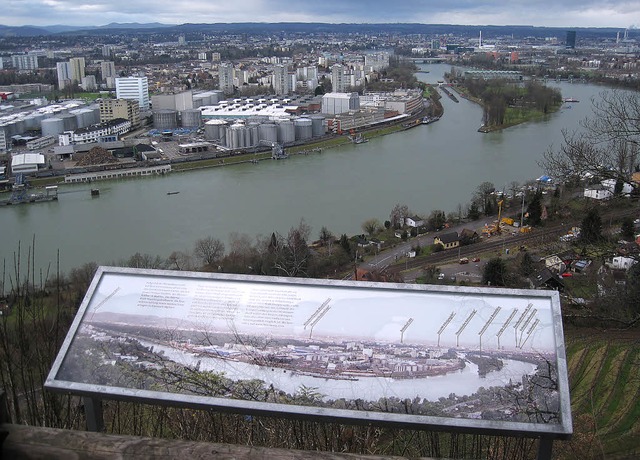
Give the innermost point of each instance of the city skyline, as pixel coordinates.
(486, 12)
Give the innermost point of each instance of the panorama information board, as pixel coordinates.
(420, 356)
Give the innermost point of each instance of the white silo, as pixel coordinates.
(216, 96)
(70, 121)
(215, 130)
(286, 132)
(253, 129)
(52, 126)
(303, 128)
(165, 119)
(191, 118)
(317, 124)
(268, 132)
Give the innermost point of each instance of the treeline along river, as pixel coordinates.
(435, 166)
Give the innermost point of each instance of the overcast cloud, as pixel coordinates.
(553, 13)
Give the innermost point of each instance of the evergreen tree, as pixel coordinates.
(591, 231)
(495, 272)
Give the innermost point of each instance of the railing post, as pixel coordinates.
(93, 414)
(545, 448)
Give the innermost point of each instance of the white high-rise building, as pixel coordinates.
(281, 84)
(24, 61)
(64, 74)
(225, 76)
(77, 66)
(338, 80)
(134, 88)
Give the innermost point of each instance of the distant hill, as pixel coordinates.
(489, 31)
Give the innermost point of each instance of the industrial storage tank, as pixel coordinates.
(304, 129)
(191, 118)
(215, 130)
(286, 132)
(84, 117)
(217, 96)
(30, 122)
(165, 119)
(70, 121)
(236, 136)
(52, 126)
(268, 132)
(254, 135)
(317, 125)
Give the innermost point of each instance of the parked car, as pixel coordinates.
(464, 260)
(441, 276)
(475, 259)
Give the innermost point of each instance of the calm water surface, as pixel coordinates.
(429, 167)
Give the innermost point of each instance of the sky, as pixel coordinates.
(550, 13)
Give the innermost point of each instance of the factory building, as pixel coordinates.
(27, 163)
(110, 109)
(334, 103)
(401, 101)
(134, 88)
(178, 101)
(103, 132)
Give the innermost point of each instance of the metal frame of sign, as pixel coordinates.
(546, 311)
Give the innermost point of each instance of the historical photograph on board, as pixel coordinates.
(471, 355)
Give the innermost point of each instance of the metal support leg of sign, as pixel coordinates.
(545, 449)
(93, 413)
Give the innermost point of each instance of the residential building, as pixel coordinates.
(24, 61)
(413, 221)
(63, 70)
(338, 80)
(134, 88)
(281, 80)
(108, 72)
(111, 109)
(447, 240)
(225, 76)
(77, 66)
(598, 192)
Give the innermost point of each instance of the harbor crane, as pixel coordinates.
(488, 323)
(524, 313)
(277, 150)
(464, 325)
(444, 326)
(318, 318)
(530, 331)
(317, 312)
(404, 328)
(504, 326)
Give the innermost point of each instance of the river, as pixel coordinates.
(437, 166)
(463, 382)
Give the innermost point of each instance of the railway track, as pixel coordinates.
(497, 243)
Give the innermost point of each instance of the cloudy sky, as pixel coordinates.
(566, 13)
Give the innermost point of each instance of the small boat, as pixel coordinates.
(95, 192)
(570, 99)
(172, 193)
(429, 120)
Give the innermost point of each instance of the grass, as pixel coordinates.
(605, 385)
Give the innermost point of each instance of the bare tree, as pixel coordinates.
(209, 250)
(371, 226)
(606, 147)
(398, 213)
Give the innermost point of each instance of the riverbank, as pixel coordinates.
(514, 115)
(328, 142)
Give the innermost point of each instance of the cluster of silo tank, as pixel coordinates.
(86, 117)
(69, 121)
(241, 135)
